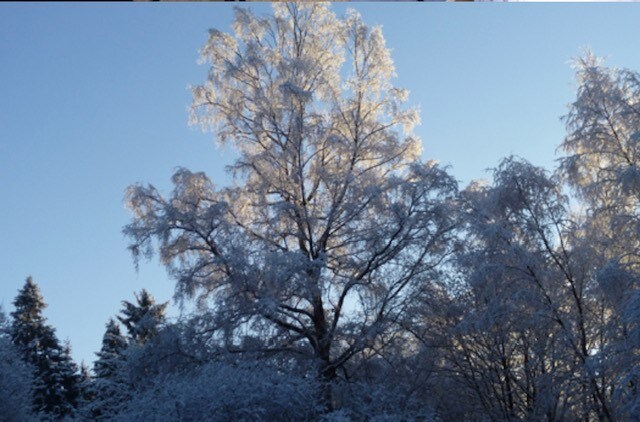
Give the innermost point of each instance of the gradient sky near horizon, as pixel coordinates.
(93, 98)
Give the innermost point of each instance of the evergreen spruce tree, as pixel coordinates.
(87, 391)
(55, 389)
(69, 377)
(143, 318)
(16, 378)
(112, 386)
(111, 353)
(109, 388)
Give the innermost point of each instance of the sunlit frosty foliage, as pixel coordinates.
(603, 151)
(603, 143)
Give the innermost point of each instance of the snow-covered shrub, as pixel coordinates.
(377, 402)
(223, 392)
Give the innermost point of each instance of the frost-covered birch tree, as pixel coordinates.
(530, 342)
(333, 222)
(602, 166)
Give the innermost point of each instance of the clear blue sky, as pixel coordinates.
(93, 98)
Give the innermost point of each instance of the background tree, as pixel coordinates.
(69, 377)
(16, 378)
(109, 388)
(55, 390)
(117, 371)
(87, 391)
(335, 224)
(143, 318)
(111, 353)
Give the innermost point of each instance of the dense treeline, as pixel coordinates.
(342, 278)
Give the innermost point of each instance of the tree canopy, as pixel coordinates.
(335, 223)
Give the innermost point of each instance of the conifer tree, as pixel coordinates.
(86, 387)
(143, 318)
(109, 389)
(69, 376)
(112, 385)
(113, 346)
(16, 378)
(55, 391)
